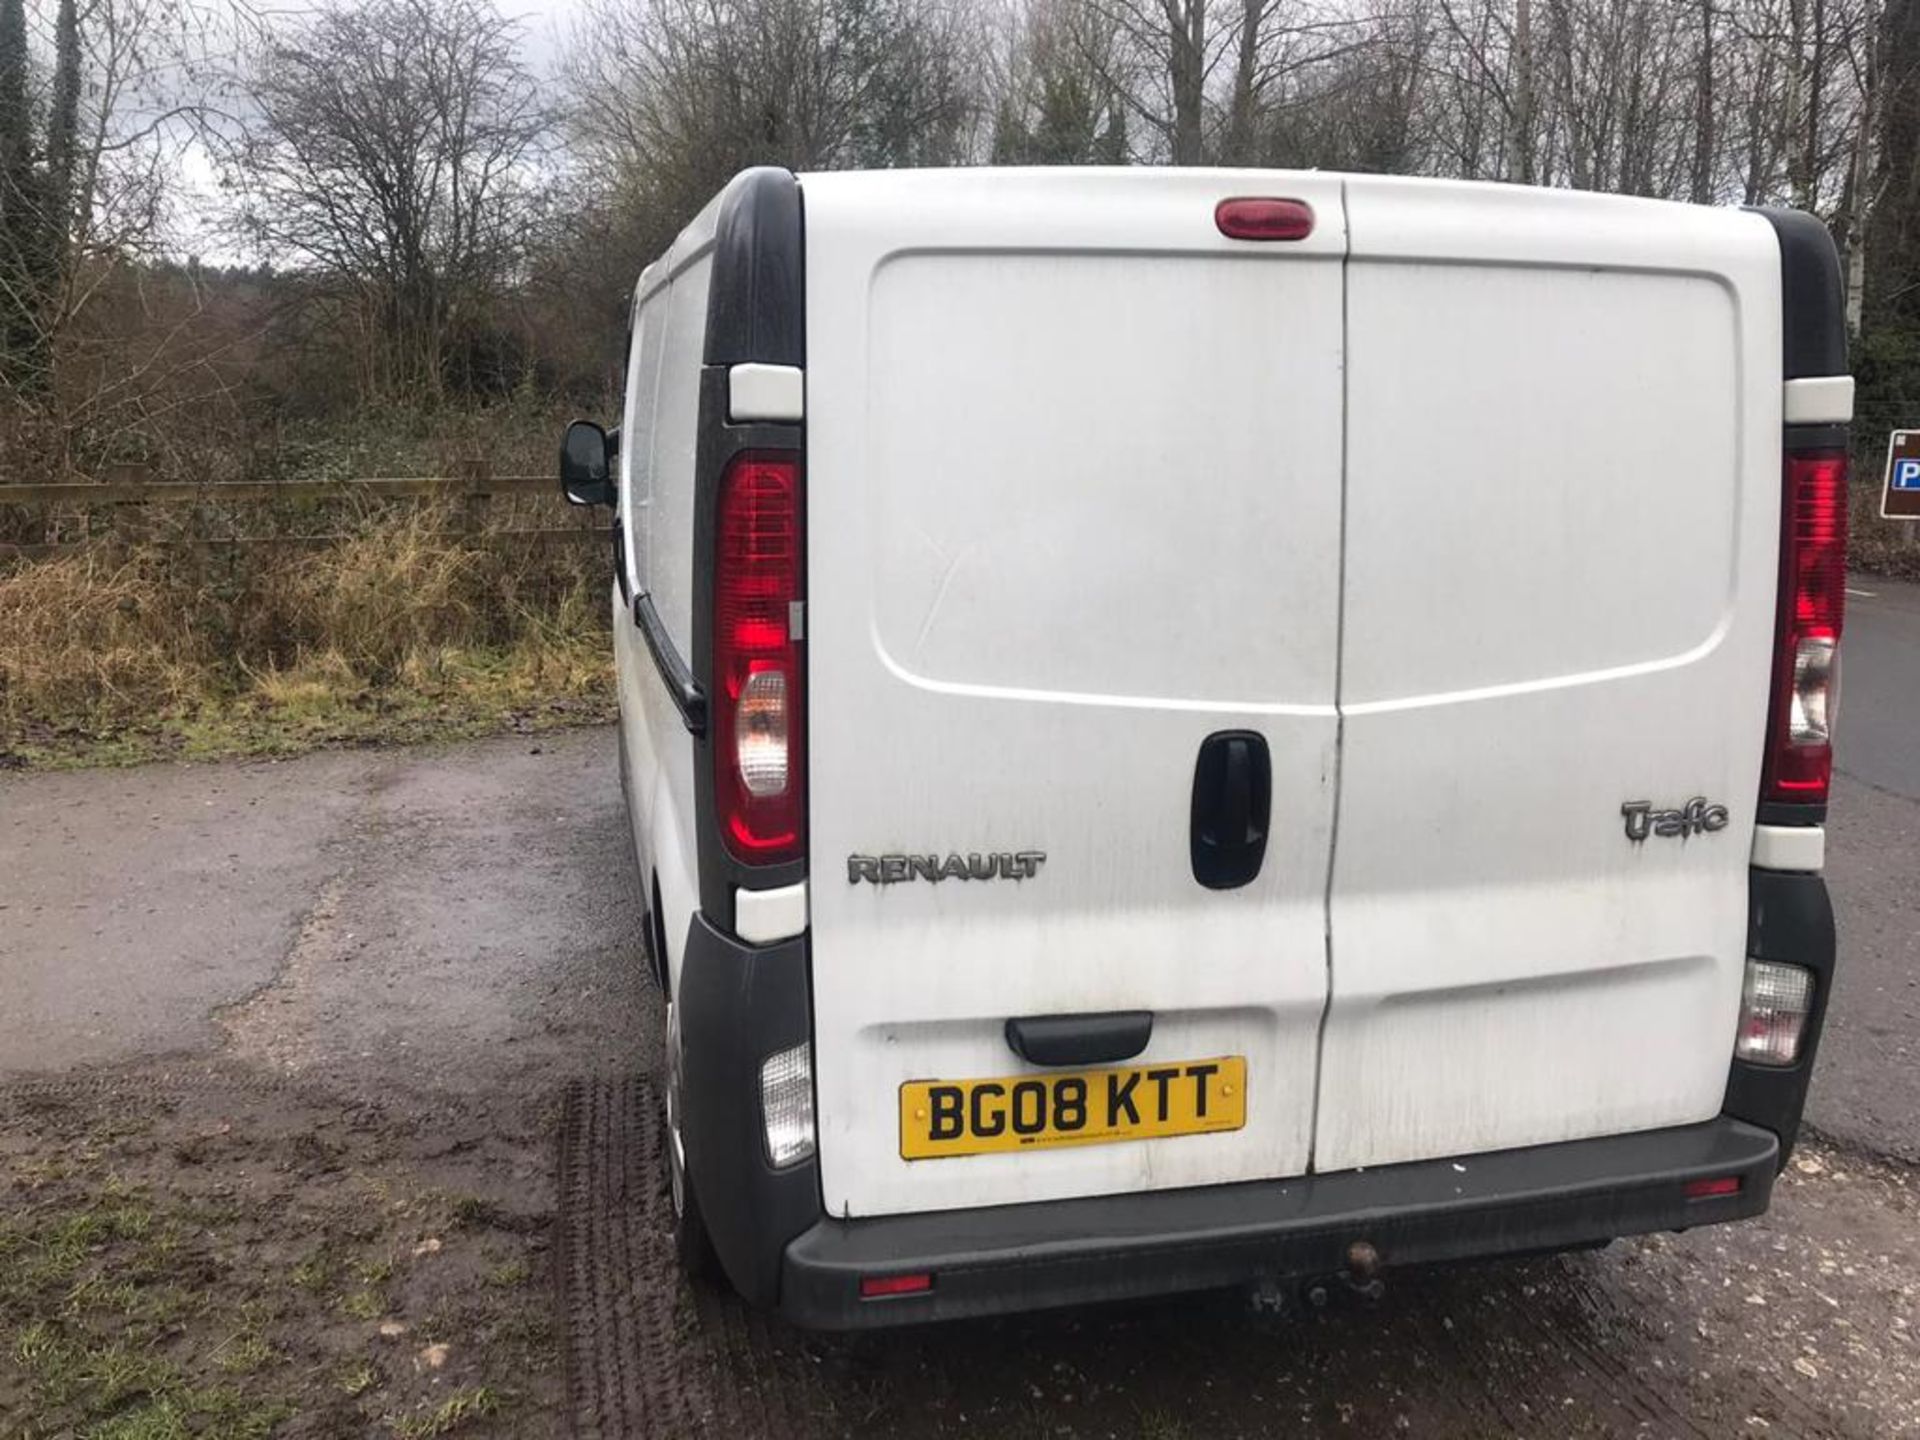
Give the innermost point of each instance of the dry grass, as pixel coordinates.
(377, 599)
(404, 626)
(86, 635)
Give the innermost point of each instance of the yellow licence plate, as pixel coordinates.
(1084, 1107)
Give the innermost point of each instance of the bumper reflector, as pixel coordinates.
(786, 1104)
(878, 1287)
(1773, 1013)
(1713, 1189)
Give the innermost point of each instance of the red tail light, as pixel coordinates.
(759, 704)
(1813, 591)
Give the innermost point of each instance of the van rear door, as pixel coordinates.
(1562, 540)
(1073, 477)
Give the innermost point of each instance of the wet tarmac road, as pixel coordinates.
(433, 927)
(1867, 1085)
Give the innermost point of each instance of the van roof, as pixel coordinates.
(918, 185)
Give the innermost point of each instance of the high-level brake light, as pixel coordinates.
(1251, 217)
(1813, 590)
(758, 729)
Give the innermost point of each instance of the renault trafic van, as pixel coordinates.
(1193, 728)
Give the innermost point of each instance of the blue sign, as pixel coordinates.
(1906, 474)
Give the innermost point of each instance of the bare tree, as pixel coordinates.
(675, 96)
(390, 157)
(84, 166)
(1057, 104)
(1893, 231)
(1166, 54)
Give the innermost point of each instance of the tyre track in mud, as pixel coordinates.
(647, 1354)
(629, 1369)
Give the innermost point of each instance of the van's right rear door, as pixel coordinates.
(1562, 554)
(1073, 479)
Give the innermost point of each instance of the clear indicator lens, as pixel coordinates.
(1773, 1012)
(760, 732)
(786, 1104)
(1810, 721)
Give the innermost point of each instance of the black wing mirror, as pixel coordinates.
(586, 465)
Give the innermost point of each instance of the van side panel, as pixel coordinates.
(657, 490)
(1561, 556)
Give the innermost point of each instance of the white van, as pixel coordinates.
(1188, 728)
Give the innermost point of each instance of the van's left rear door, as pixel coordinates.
(1073, 477)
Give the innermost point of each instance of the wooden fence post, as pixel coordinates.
(473, 472)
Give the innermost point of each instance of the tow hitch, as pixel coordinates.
(1269, 1295)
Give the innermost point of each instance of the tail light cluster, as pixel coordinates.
(1777, 999)
(759, 709)
(1813, 559)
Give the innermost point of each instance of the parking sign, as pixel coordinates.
(1901, 499)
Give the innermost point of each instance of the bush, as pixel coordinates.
(402, 613)
(91, 639)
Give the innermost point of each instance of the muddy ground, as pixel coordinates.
(325, 1111)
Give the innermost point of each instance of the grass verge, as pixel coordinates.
(404, 628)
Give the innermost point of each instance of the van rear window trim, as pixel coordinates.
(688, 698)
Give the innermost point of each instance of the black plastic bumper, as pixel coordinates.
(1790, 919)
(739, 1004)
(1069, 1252)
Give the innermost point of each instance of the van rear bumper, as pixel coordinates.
(1115, 1247)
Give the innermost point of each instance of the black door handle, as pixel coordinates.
(1232, 801)
(1080, 1039)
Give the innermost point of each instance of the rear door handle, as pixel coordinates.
(1080, 1039)
(1232, 801)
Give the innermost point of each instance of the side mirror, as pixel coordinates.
(586, 465)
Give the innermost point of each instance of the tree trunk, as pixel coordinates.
(63, 123)
(16, 114)
(1520, 166)
(1893, 225)
(1816, 98)
(1242, 115)
(1793, 119)
(22, 234)
(1704, 112)
(1856, 203)
(1186, 73)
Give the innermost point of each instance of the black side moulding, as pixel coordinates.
(756, 306)
(1812, 299)
(738, 1005)
(756, 313)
